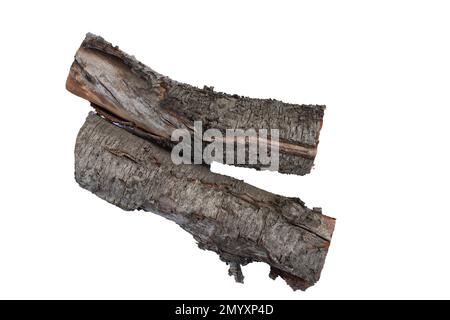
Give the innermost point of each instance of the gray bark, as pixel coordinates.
(123, 88)
(239, 222)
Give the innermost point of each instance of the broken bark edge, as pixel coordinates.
(294, 282)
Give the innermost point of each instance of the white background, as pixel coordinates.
(381, 67)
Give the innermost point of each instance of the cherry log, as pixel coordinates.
(123, 89)
(239, 222)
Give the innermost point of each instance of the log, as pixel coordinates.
(127, 91)
(239, 222)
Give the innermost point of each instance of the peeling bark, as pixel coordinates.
(239, 222)
(153, 105)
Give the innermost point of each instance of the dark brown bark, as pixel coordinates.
(239, 222)
(121, 87)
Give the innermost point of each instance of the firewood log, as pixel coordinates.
(239, 222)
(121, 87)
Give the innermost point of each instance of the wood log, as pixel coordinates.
(239, 222)
(145, 101)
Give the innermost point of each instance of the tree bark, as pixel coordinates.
(239, 222)
(121, 87)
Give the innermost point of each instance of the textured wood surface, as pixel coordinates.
(120, 86)
(239, 222)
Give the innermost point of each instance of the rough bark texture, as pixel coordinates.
(239, 222)
(120, 86)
